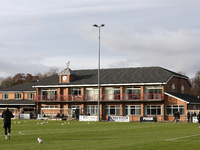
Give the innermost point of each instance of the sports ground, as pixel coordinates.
(73, 135)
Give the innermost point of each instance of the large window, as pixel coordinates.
(91, 94)
(153, 110)
(171, 109)
(112, 93)
(31, 96)
(132, 110)
(132, 93)
(49, 94)
(153, 89)
(5, 96)
(18, 96)
(76, 91)
(92, 110)
(111, 110)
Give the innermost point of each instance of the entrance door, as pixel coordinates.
(73, 113)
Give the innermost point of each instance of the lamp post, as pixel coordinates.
(102, 25)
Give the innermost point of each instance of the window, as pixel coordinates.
(31, 95)
(132, 93)
(173, 88)
(112, 110)
(92, 110)
(132, 110)
(49, 106)
(182, 89)
(5, 96)
(153, 89)
(171, 109)
(91, 94)
(76, 91)
(112, 93)
(153, 110)
(18, 96)
(50, 94)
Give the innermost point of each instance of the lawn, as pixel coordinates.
(64, 135)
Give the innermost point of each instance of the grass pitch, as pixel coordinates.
(71, 135)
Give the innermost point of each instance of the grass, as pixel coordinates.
(100, 135)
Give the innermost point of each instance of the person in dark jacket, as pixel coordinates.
(176, 116)
(188, 116)
(7, 115)
(198, 117)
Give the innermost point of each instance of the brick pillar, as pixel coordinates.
(163, 112)
(101, 111)
(121, 109)
(121, 92)
(142, 92)
(142, 109)
(82, 109)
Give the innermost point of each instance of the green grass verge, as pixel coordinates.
(100, 135)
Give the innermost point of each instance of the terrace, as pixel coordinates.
(103, 97)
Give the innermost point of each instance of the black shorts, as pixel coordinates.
(6, 125)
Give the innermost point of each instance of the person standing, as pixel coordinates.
(198, 117)
(188, 116)
(7, 115)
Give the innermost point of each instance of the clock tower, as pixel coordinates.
(66, 75)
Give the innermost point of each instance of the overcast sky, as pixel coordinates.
(38, 34)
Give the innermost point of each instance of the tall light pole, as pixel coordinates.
(102, 25)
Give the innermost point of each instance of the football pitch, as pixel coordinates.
(72, 135)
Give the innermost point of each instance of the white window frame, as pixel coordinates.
(5, 96)
(18, 96)
(156, 108)
(171, 109)
(132, 110)
(91, 109)
(112, 110)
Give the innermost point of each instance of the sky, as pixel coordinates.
(40, 34)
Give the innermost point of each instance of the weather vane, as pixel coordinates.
(68, 64)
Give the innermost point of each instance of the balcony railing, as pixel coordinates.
(103, 97)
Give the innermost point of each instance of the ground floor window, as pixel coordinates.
(171, 109)
(153, 110)
(111, 110)
(132, 110)
(92, 110)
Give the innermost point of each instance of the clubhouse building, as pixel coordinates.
(132, 92)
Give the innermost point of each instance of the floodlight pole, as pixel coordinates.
(102, 25)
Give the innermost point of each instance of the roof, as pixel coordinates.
(184, 97)
(114, 76)
(17, 102)
(20, 87)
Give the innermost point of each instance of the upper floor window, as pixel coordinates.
(182, 89)
(76, 91)
(153, 89)
(112, 93)
(5, 96)
(18, 96)
(31, 95)
(173, 88)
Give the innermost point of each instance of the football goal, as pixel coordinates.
(55, 114)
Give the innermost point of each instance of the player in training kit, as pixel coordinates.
(7, 115)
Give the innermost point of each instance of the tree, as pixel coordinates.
(7, 82)
(52, 71)
(196, 85)
(19, 78)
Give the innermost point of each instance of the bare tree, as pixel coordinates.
(196, 83)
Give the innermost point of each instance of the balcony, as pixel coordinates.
(94, 97)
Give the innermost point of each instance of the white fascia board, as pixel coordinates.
(176, 97)
(87, 85)
(17, 104)
(17, 91)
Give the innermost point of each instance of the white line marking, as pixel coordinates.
(182, 137)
